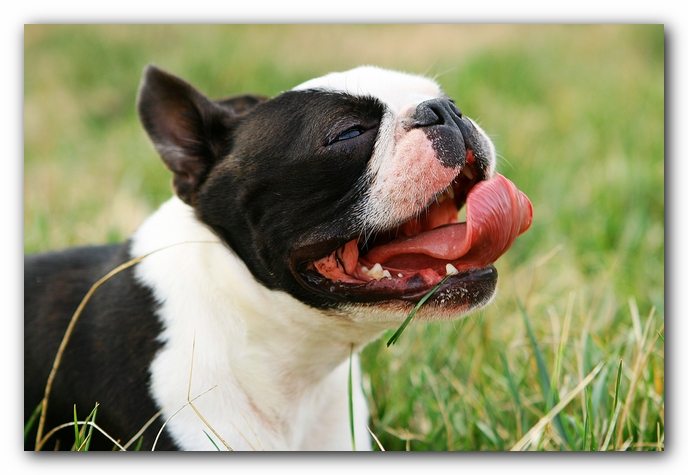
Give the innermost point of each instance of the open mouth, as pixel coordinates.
(407, 261)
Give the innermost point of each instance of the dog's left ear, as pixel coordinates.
(190, 132)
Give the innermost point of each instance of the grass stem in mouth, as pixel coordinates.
(398, 333)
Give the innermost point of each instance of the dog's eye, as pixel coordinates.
(346, 135)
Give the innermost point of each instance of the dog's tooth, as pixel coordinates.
(448, 193)
(376, 271)
(469, 174)
(451, 270)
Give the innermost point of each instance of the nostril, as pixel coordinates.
(426, 115)
(455, 109)
(435, 112)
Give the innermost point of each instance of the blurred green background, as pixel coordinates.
(576, 113)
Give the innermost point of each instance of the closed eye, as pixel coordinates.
(346, 135)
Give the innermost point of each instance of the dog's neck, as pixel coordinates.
(259, 345)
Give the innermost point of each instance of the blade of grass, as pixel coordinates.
(77, 438)
(563, 340)
(514, 394)
(588, 434)
(211, 441)
(549, 417)
(599, 389)
(351, 400)
(643, 353)
(440, 403)
(544, 375)
(81, 439)
(91, 418)
(586, 422)
(138, 444)
(399, 331)
(32, 420)
(487, 431)
(615, 410)
(493, 423)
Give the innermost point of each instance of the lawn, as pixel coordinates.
(577, 116)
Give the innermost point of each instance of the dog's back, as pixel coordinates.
(112, 337)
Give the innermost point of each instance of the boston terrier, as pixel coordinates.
(302, 228)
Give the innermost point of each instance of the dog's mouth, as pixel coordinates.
(407, 261)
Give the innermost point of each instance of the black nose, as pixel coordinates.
(446, 128)
(436, 112)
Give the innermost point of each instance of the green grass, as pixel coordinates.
(577, 116)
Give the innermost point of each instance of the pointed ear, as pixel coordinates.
(237, 105)
(190, 132)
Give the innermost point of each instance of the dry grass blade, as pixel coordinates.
(540, 425)
(643, 354)
(143, 429)
(243, 416)
(377, 441)
(155, 443)
(89, 423)
(200, 416)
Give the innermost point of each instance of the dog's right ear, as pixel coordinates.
(190, 132)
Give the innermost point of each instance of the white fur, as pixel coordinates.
(278, 367)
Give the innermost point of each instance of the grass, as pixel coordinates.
(393, 339)
(576, 114)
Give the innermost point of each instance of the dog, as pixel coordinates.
(301, 228)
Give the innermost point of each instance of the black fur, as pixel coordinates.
(303, 191)
(108, 356)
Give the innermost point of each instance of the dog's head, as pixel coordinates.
(345, 191)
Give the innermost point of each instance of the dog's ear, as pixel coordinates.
(190, 132)
(238, 105)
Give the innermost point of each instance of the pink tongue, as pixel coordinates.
(496, 213)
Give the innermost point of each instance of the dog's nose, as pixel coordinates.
(436, 112)
(445, 126)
